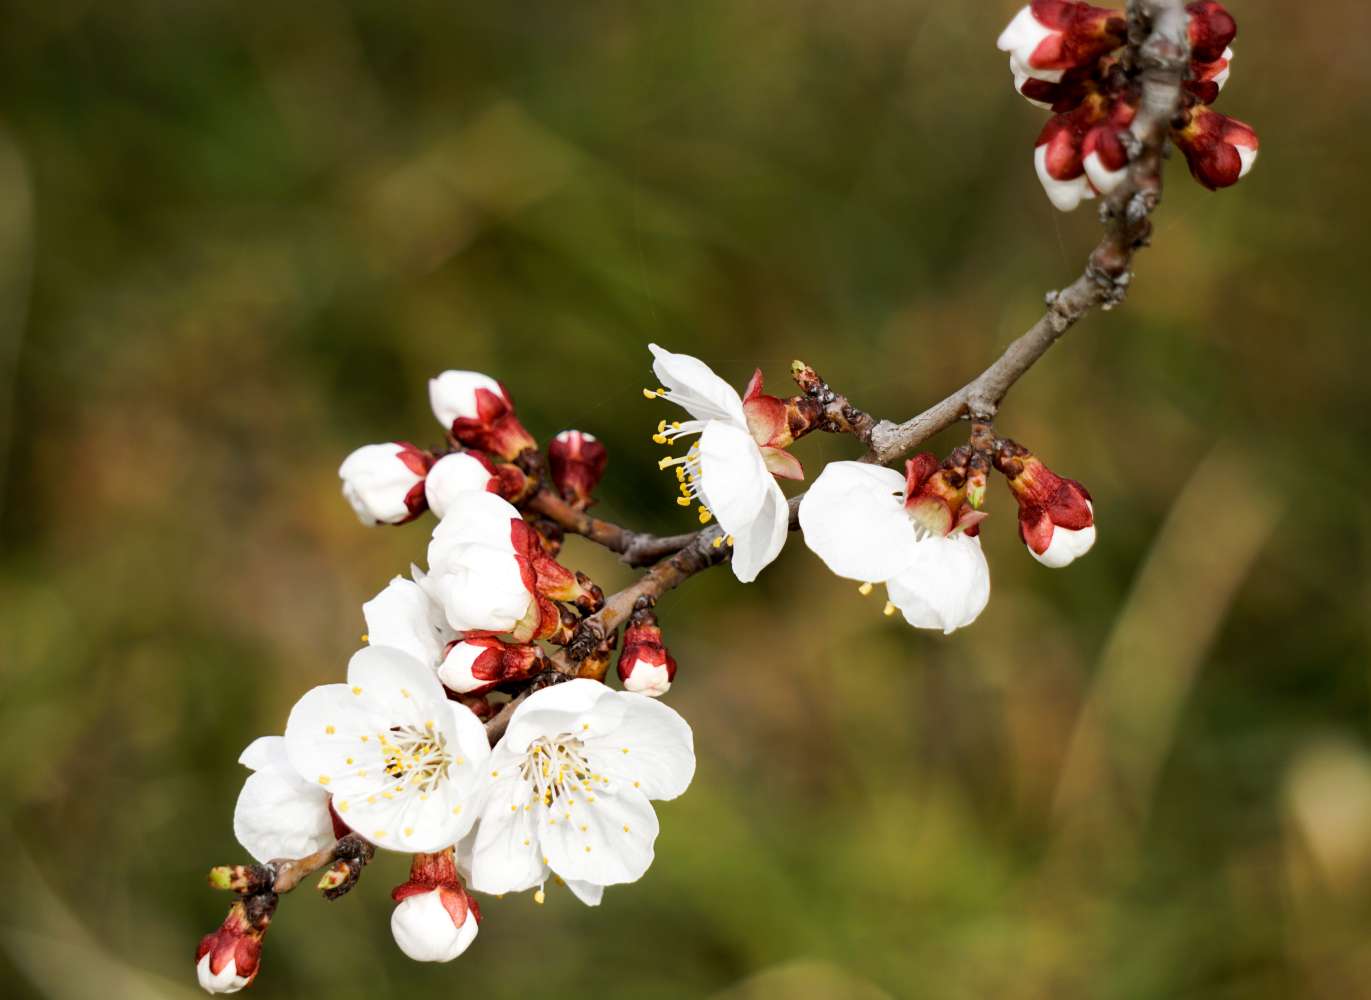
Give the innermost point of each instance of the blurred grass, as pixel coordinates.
(234, 241)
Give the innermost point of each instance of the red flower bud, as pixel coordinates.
(228, 958)
(1212, 29)
(1056, 516)
(434, 918)
(1219, 149)
(645, 666)
(578, 463)
(475, 664)
(478, 412)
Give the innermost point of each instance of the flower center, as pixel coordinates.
(557, 766)
(416, 758)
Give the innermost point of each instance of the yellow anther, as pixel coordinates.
(540, 897)
(718, 541)
(729, 539)
(864, 589)
(888, 610)
(668, 462)
(652, 393)
(661, 426)
(680, 473)
(705, 515)
(659, 439)
(366, 637)
(676, 425)
(683, 501)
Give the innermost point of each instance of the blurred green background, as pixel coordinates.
(235, 240)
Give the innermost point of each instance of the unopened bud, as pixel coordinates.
(1219, 150)
(476, 665)
(228, 958)
(434, 918)
(384, 483)
(645, 665)
(477, 411)
(1056, 515)
(578, 463)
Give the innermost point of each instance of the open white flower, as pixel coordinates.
(855, 519)
(279, 814)
(728, 469)
(474, 569)
(400, 760)
(569, 789)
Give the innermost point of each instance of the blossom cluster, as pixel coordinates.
(1068, 57)
(398, 755)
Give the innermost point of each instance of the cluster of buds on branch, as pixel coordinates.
(475, 729)
(1070, 58)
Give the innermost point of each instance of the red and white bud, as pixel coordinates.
(1079, 147)
(1056, 515)
(460, 472)
(935, 496)
(1208, 78)
(1219, 150)
(645, 665)
(476, 664)
(1211, 29)
(1049, 38)
(384, 483)
(228, 958)
(434, 919)
(578, 463)
(477, 411)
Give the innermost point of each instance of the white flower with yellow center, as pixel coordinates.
(728, 471)
(568, 790)
(400, 760)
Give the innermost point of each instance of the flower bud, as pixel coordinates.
(384, 483)
(1208, 78)
(434, 918)
(1049, 38)
(228, 958)
(1220, 150)
(478, 412)
(578, 463)
(474, 665)
(645, 666)
(1212, 29)
(1079, 153)
(1056, 516)
(458, 473)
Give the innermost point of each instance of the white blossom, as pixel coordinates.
(456, 395)
(279, 814)
(384, 482)
(400, 759)
(226, 980)
(474, 572)
(569, 790)
(434, 926)
(455, 474)
(854, 519)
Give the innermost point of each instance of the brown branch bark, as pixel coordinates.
(636, 548)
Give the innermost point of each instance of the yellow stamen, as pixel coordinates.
(653, 393)
(540, 897)
(888, 610)
(705, 515)
(718, 541)
(864, 589)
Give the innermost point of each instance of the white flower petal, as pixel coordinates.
(483, 518)
(401, 687)
(693, 386)
(946, 586)
(734, 478)
(226, 980)
(404, 617)
(586, 892)
(761, 541)
(506, 855)
(376, 483)
(660, 757)
(853, 519)
(605, 842)
(278, 815)
(480, 588)
(570, 707)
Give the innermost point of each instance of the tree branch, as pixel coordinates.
(635, 548)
